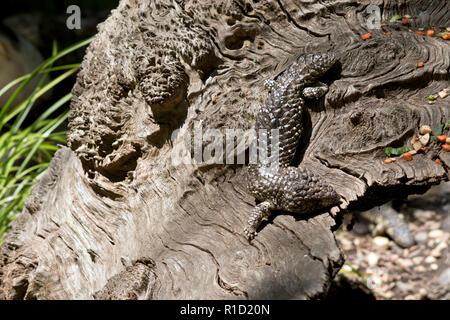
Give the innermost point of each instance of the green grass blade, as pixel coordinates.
(13, 83)
(47, 87)
(43, 66)
(45, 133)
(25, 153)
(52, 108)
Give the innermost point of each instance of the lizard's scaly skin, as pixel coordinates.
(390, 222)
(284, 187)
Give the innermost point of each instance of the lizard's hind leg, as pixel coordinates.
(293, 189)
(260, 213)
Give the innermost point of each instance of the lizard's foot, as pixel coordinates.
(316, 91)
(260, 213)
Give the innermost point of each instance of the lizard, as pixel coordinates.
(389, 222)
(285, 187)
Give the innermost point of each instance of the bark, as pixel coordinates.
(114, 217)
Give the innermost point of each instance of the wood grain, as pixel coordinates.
(114, 218)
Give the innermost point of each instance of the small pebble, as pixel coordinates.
(423, 215)
(417, 260)
(415, 253)
(420, 269)
(430, 260)
(436, 252)
(404, 263)
(372, 259)
(435, 234)
(347, 268)
(405, 287)
(405, 253)
(433, 225)
(421, 237)
(423, 292)
(346, 244)
(444, 277)
(396, 249)
(430, 243)
(434, 267)
(410, 297)
(382, 242)
(389, 295)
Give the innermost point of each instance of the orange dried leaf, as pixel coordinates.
(446, 37)
(388, 160)
(420, 33)
(446, 147)
(366, 36)
(423, 149)
(442, 138)
(439, 162)
(430, 33)
(407, 156)
(387, 33)
(420, 64)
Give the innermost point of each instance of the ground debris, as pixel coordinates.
(391, 272)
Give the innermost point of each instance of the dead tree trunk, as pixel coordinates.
(114, 217)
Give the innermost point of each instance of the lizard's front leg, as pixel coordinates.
(315, 91)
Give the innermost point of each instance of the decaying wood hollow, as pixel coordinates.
(115, 218)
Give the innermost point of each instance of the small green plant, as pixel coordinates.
(396, 151)
(26, 150)
(395, 18)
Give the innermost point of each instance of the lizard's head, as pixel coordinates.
(320, 63)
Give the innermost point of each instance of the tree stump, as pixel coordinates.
(115, 218)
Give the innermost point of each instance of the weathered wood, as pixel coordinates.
(114, 217)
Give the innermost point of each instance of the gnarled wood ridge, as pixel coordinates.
(116, 217)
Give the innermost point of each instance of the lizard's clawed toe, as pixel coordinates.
(249, 234)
